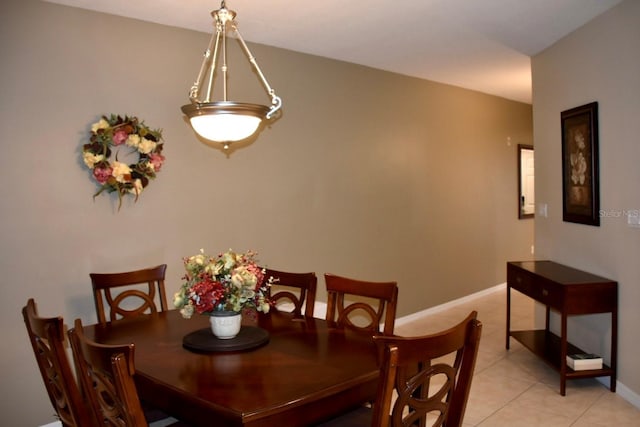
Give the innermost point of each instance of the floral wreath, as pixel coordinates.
(112, 132)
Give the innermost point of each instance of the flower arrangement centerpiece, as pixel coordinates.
(109, 134)
(229, 281)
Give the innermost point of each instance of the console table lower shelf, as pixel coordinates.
(546, 345)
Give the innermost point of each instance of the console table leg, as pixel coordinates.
(563, 354)
(614, 349)
(508, 315)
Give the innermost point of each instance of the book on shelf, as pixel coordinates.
(584, 361)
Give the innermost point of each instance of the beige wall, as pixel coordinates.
(599, 62)
(367, 174)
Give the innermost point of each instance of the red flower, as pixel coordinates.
(206, 294)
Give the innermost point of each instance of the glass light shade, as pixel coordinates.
(225, 127)
(225, 121)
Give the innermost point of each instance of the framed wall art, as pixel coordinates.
(580, 186)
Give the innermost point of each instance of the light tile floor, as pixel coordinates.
(514, 388)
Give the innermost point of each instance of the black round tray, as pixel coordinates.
(204, 341)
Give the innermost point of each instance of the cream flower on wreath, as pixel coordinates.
(121, 172)
(146, 146)
(133, 140)
(115, 133)
(91, 159)
(102, 124)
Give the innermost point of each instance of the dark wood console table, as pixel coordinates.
(569, 292)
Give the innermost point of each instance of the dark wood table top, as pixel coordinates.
(308, 371)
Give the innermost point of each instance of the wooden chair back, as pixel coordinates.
(342, 312)
(304, 283)
(431, 375)
(106, 375)
(110, 287)
(47, 336)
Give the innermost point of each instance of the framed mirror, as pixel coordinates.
(526, 173)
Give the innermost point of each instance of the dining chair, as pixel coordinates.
(122, 291)
(424, 380)
(106, 377)
(304, 283)
(345, 310)
(47, 336)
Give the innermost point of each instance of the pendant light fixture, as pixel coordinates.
(225, 121)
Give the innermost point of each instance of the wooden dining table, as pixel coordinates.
(308, 371)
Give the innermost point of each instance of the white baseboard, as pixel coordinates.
(623, 391)
(415, 316)
(320, 308)
(53, 424)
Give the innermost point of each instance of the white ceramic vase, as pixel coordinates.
(225, 324)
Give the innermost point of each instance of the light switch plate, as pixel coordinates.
(542, 210)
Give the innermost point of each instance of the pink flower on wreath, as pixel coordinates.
(156, 161)
(102, 174)
(120, 137)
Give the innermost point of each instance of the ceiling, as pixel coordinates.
(483, 45)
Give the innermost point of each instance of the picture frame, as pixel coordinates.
(580, 177)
